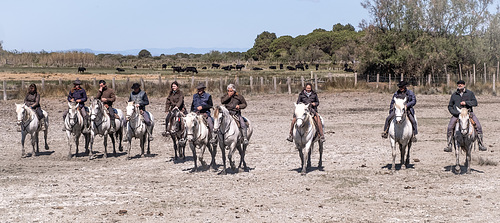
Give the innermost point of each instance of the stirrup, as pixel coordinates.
(448, 149)
(385, 135)
(322, 139)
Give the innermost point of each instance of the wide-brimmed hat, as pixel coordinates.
(461, 82)
(102, 81)
(201, 85)
(77, 82)
(402, 83)
(136, 86)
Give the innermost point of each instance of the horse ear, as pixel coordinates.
(295, 103)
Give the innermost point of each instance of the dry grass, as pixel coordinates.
(485, 161)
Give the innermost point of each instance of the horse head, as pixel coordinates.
(175, 119)
(400, 109)
(464, 121)
(21, 111)
(191, 124)
(218, 117)
(301, 113)
(72, 112)
(131, 109)
(95, 108)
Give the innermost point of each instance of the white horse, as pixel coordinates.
(229, 137)
(100, 125)
(27, 119)
(465, 136)
(197, 135)
(136, 127)
(401, 132)
(305, 135)
(74, 124)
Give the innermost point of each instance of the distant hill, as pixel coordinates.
(167, 51)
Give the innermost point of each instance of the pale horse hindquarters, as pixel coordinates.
(27, 118)
(401, 133)
(304, 135)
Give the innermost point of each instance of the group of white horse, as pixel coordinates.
(192, 129)
(401, 133)
(100, 125)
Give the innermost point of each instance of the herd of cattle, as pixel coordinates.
(178, 69)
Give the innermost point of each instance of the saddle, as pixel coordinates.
(237, 120)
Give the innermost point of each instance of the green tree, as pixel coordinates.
(262, 44)
(144, 54)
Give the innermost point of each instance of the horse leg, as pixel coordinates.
(119, 136)
(105, 142)
(34, 143)
(87, 142)
(142, 142)
(149, 150)
(91, 151)
(301, 156)
(407, 162)
(129, 146)
(320, 163)
(174, 141)
(468, 159)
(45, 136)
(112, 136)
(402, 151)
(23, 138)
(202, 162)
(230, 154)
(77, 142)
(457, 154)
(241, 150)
(309, 156)
(193, 150)
(70, 139)
(223, 151)
(393, 147)
(213, 152)
(306, 157)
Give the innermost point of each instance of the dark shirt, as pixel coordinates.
(411, 100)
(32, 100)
(175, 99)
(78, 95)
(140, 98)
(107, 93)
(468, 97)
(303, 98)
(230, 102)
(204, 100)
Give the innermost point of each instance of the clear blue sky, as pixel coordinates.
(113, 25)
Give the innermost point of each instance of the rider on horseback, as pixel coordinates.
(141, 99)
(202, 103)
(463, 98)
(308, 96)
(32, 100)
(411, 100)
(79, 95)
(107, 96)
(175, 99)
(234, 102)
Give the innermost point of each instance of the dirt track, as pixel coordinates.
(354, 186)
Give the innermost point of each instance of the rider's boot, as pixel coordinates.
(320, 129)
(149, 129)
(480, 142)
(86, 125)
(18, 128)
(290, 136)
(450, 144)
(212, 136)
(112, 128)
(245, 137)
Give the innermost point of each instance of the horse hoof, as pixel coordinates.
(46, 147)
(303, 173)
(457, 169)
(120, 149)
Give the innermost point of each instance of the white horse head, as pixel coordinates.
(192, 125)
(400, 109)
(131, 110)
(464, 121)
(95, 108)
(72, 112)
(301, 113)
(21, 112)
(219, 113)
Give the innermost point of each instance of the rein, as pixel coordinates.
(26, 116)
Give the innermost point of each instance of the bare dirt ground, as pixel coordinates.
(355, 185)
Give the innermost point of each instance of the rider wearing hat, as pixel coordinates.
(462, 98)
(411, 100)
(202, 103)
(235, 102)
(79, 95)
(107, 96)
(141, 99)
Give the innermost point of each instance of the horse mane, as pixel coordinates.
(399, 103)
(464, 112)
(216, 111)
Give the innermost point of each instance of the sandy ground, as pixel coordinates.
(355, 185)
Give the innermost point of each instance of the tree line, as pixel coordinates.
(415, 38)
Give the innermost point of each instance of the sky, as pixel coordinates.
(114, 25)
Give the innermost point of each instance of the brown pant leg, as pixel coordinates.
(319, 125)
(293, 123)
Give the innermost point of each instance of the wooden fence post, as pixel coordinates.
(390, 82)
(94, 83)
(43, 83)
(206, 81)
(429, 77)
(402, 77)
(494, 80)
(60, 82)
(378, 79)
(460, 70)
(192, 82)
(4, 91)
(159, 80)
(368, 78)
(251, 83)
(22, 84)
(289, 87)
(128, 82)
(447, 76)
(330, 77)
(142, 84)
(355, 79)
(220, 84)
(315, 82)
(302, 81)
(113, 83)
(274, 84)
(474, 74)
(237, 81)
(261, 81)
(311, 74)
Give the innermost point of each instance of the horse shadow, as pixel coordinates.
(463, 169)
(44, 153)
(180, 160)
(398, 166)
(145, 155)
(309, 169)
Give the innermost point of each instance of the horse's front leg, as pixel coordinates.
(393, 148)
(242, 156)
(407, 162)
(200, 157)
(457, 154)
(320, 163)
(87, 142)
(129, 137)
(105, 142)
(402, 152)
(223, 151)
(70, 140)
(91, 151)
(174, 141)
(142, 142)
(119, 137)
(34, 143)
(193, 150)
(301, 156)
(232, 149)
(77, 143)
(468, 158)
(23, 138)
(213, 150)
(306, 157)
